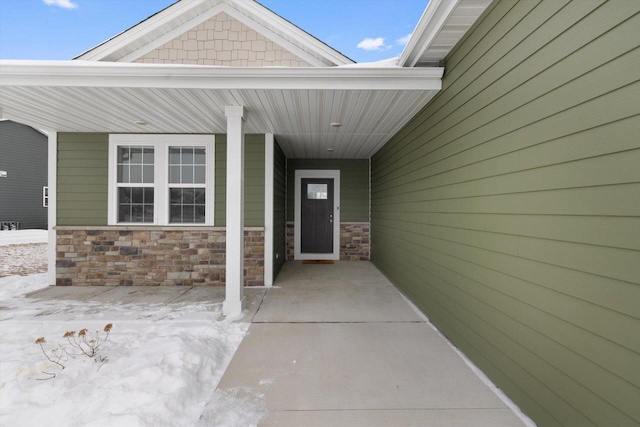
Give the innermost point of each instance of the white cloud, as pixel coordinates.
(372, 44)
(403, 40)
(65, 4)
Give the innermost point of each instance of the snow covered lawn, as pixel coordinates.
(164, 362)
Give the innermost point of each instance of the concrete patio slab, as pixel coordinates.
(355, 366)
(150, 295)
(337, 274)
(342, 302)
(77, 293)
(338, 345)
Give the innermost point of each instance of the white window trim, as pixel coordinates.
(161, 143)
(307, 173)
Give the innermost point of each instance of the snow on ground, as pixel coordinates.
(164, 362)
(19, 237)
(23, 259)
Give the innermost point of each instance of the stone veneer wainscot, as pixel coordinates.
(354, 241)
(128, 256)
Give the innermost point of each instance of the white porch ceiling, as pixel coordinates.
(297, 105)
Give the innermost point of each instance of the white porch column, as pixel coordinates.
(268, 209)
(52, 175)
(234, 301)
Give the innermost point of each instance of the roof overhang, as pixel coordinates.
(296, 104)
(442, 25)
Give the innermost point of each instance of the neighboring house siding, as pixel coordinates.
(279, 208)
(82, 178)
(508, 209)
(354, 186)
(223, 41)
(23, 155)
(253, 180)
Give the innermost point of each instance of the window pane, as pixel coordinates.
(124, 195)
(137, 195)
(137, 213)
(200, 174)
(124, 213)
(199, 215)
(187, 196)
(174, 155)
(187, 155)
(176, 214)
(147, 174)
(199, 196)
(187, 174)
(187, 205)
(120, 171)
(317, 191)
(123, 155)
(136, 155)
(148, 156)
(136, 174)
(148, 195)
(199, 156)
(174, 174)
(148, 213)
(175, 196)
(187, 213)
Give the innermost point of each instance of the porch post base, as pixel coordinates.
(234, 307)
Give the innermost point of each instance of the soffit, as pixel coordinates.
(440, 28)
(298, 105)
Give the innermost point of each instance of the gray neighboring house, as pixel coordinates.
(23, 176)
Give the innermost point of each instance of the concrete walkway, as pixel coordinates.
(337, 345)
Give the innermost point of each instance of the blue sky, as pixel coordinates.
(364, 30)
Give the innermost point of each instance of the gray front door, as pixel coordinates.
(316, 215)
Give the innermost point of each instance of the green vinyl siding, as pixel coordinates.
(82, 178)
(508, 209)
(354, 185)
(253, 181)
(279, 208)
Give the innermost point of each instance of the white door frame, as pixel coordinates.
(309, 173)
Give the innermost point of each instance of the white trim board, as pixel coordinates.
(52, 178)
(310, 173)
(161, 143)
(268, 208)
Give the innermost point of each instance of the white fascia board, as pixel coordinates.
(430, 24)
(105, 74)
(293, 32)
(119, 41)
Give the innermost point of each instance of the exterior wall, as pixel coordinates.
(508, 209)
(23, 155)
(279, 209)
(253, 181)
(83, 179)
(126, 256)
(354, 241)
(354, 186)
(354, 204)
(223, 41)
